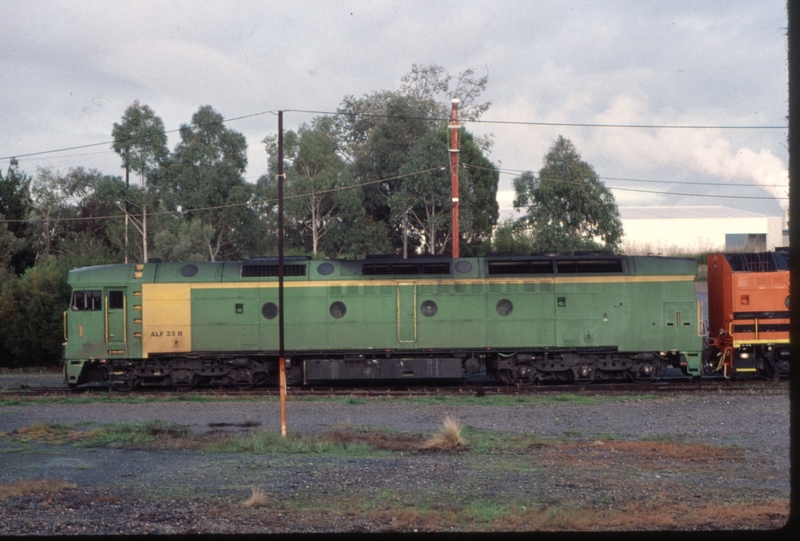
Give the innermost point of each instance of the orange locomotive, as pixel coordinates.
(748, 314)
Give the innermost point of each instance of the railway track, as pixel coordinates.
(462, 390)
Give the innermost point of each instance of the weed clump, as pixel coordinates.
(447, 438)
(257, 499)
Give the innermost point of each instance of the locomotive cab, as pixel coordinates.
(748, 314)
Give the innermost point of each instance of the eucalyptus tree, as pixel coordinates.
(421, 204)
(204, 182)
(94, 202)
(15, 207)
(567, 206)
(320, 188)
(422, 207)
(378, 131)
(141, 142)
(49, 206)
(512, 236)
(478, 181)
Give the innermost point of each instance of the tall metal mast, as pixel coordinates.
(281, 351)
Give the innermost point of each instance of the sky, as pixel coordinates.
(68, 71)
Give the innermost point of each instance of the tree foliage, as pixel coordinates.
(141, 142)
(378, 134)
(33, 329)
(204, 181)
(319, 187)
(15, 207)
(567, 206)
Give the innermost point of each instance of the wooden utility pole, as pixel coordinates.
(454, 130)
(281, 352)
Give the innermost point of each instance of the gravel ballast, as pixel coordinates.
(184, 491)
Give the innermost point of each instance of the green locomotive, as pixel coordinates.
(578, 317)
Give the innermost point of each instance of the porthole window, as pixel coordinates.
(189, 270)
(428, 308)
(504, 307)
(463, 266)
(325, 269)
(269, 310)
(338, 309)
(787, 302)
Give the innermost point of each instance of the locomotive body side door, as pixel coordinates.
(115, 315)
(407, 312)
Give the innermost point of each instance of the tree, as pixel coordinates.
(48, 206)
(567, 207)
(479, 211)
(141, 141)
(511, 236)
(31, 309)
(378, 131)
(431, 84)
(15, 207)
(185, 240)
(320, 191)
(421, 204)
(78, 204)
(93, 197)
(204, 181)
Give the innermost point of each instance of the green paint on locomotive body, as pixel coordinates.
(643, 304)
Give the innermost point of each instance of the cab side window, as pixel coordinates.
(115, 300)
(86, 300)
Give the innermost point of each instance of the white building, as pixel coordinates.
(671, 230)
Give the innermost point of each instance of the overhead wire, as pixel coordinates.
(90, 145)
(503, 170)
(509, 171)
(366, 183)
(434, 119)
(557, 124)
(232, 205)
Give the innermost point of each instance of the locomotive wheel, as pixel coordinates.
(187, 385)
(506, 377)
(638, 373)
(589, 378)
(258, 379)
(769, 371)
(186, 382)
(243, 379)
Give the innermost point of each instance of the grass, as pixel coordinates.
(346, 440)
(268, 442)
(27, 487)
(93, 397)
(397, 510)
